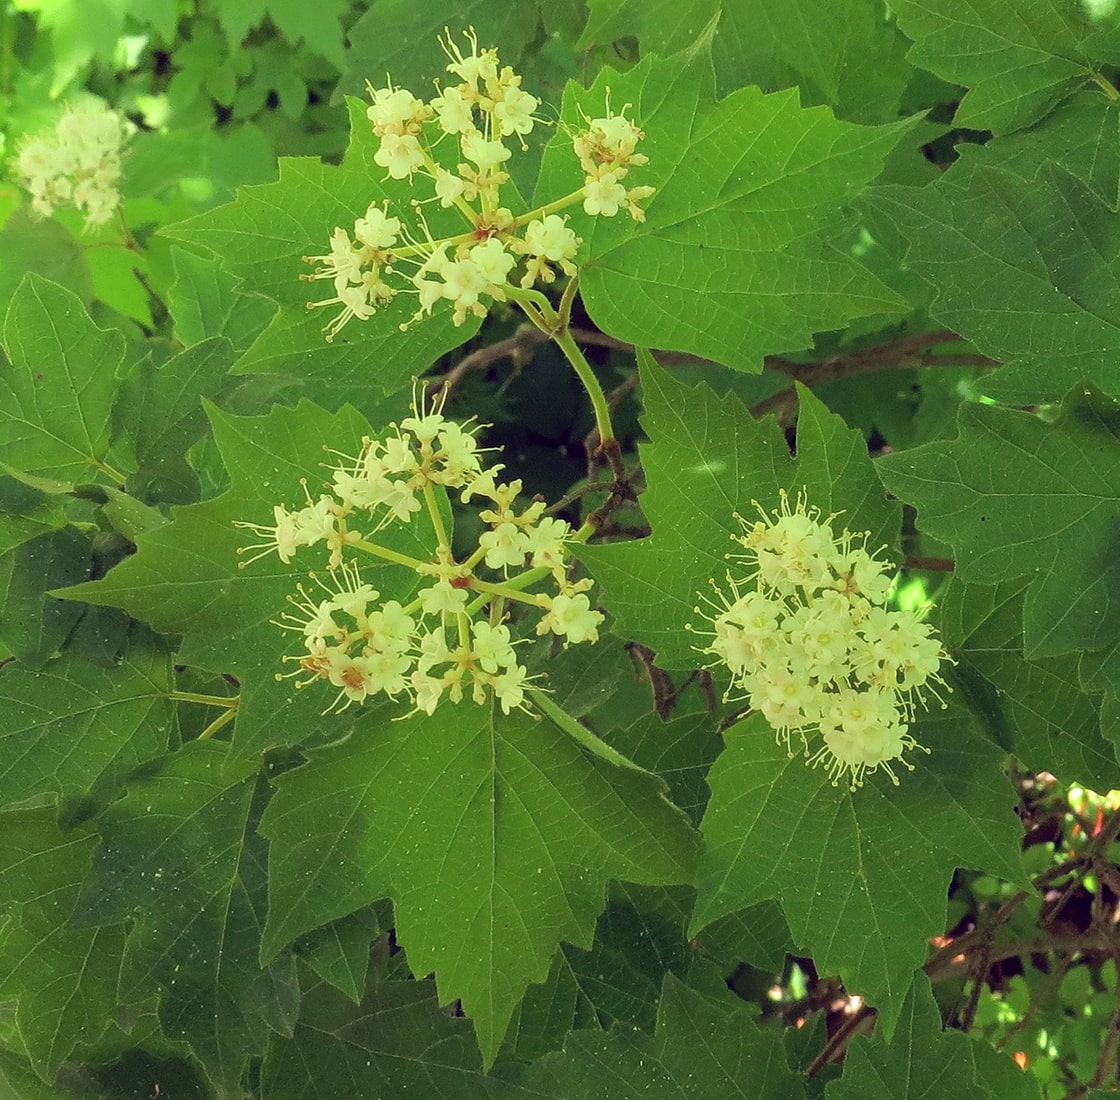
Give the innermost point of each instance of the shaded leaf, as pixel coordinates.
(497, 843)
(1017, 60)
(1039, 252)
(1034, 709)
(64, 978)
(398, 1042)
(33, 624)
(922, 1060)
(180, 860)
(741, 251)
(861, 875)
(1015, 495)
(73, 727)
(699, 1050)
(708, 459)
(57, 394)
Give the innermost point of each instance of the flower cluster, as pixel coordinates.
(481, 114)
(451, 638)
(79, 164)
(806, 635)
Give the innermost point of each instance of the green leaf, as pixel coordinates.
(64, 978)
(699, 1050)
(708, 459)
(1082, 135)
(742, 248)
(494, 836)
(206, 300)
(262, 238)
(74, 727)
(57, 394)
(159, 411)
(47, 249)
(680, 751)
(339, 952)
(922, 1060)
(26, 512)
(34, 625)
(1034, 709)
(1018, 61)
(1042, 249)
(861, 875)
(398, 1042)
(842, 53)
(179, 858)
(184, 577)
(1016, 496)
(412, 56)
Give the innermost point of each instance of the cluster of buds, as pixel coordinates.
(481, 115)
(78, 164)
(451, 639)
(807, 637)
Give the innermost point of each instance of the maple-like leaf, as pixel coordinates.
(185, 578)
(180, 860)
(262, 238)
(1017, 495)
(1034, 709)
(861, 875)
(64, 979)
(740, 251)
(922, 1059)
(1026, 267)
(708, 459)
(397, 1042)
(73, 728)
(58, 389)
(1018, 60)
(700, 1049)
(844, 53)
(494, 836)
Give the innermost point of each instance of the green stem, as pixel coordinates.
(437, 519)
(109, 472)
(208, 700)
(218, 723)
(507, 590)
(1108, 89)
(389, 555)
(582, 367)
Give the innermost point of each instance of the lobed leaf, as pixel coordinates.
(861, 875)
(709, 459)
(741, 251)
(180, 860)
(494, 836)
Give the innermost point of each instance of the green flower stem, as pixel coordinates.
(554, 325)
(437, 519)
(389, 555)
(1104, 84)
(221, 721)
(582, 367)
(209, 700)
(109, 472)
(508, 590)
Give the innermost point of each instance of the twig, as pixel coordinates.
(839, 1039)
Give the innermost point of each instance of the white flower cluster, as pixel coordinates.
(451, 636)
(79, 164)
(480, 114)
(805, 634)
